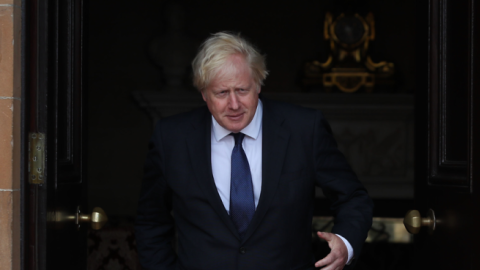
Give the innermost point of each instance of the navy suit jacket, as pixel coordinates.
(178, 191)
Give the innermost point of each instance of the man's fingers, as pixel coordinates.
(325, 261)
(332, 267)
(338, 255)
(326, 236)
(330, 263)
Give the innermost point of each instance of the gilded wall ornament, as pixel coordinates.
(348, 66)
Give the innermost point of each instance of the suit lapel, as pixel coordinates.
(274, 147)
(199, 145)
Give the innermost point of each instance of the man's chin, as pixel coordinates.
(235, 128)
(234, 125)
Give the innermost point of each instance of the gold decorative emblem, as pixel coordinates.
(348, 66)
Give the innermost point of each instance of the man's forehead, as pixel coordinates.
(233, 65)
(233, 72)
(230, 81)
(236, 59)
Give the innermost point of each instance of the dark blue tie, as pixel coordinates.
(242, 204)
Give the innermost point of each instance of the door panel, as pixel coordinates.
(55, 98)
(445, 133)
(447, 115)
(453, 34)
(473, 161)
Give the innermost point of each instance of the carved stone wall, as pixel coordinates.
(374, 132)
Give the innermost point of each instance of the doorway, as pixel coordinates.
(121, 56)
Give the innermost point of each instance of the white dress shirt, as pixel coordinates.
(222, 146)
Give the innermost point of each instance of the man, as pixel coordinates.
(237, 178)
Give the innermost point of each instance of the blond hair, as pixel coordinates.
(215, 51)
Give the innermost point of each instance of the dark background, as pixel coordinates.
(290, 33)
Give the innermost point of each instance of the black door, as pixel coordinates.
(448, 134)
(54, 69)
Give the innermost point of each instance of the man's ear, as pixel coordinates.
(203, 95)
(259, 89)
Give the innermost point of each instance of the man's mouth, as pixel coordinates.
(235, 117)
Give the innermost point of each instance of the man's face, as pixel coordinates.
(232, 96)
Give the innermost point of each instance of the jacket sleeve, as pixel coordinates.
(349, 200)
(154, 225)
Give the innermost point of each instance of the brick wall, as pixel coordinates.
(10, 114)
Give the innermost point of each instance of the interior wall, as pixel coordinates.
(118, 132)
(288, 32)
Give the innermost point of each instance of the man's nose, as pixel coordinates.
(233, 101)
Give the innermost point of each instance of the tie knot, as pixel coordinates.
(238, 137)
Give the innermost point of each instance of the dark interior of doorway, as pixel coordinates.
(289, 32)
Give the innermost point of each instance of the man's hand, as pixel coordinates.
(338, 256)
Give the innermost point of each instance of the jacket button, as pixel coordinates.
(243, 250)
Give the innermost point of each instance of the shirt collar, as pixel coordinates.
(252, 130)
